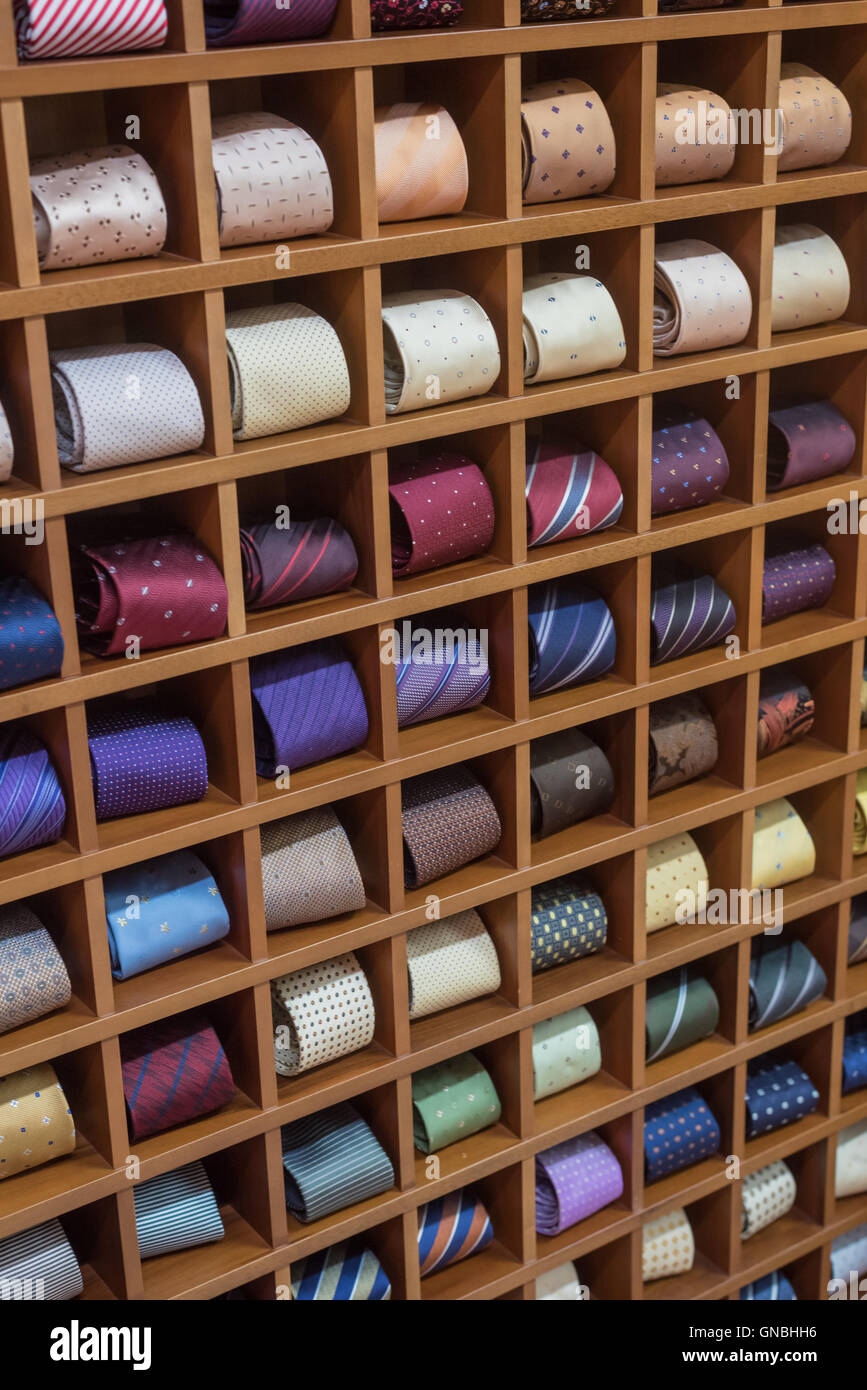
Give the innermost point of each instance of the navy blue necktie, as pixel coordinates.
(572, 636)
(771, 1286)
(31, 645)
(679, 1130)
(855, 1054)
(688, 612)
(778, 1093)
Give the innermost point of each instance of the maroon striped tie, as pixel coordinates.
(173, 1072)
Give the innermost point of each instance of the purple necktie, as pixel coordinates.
(32, 808)
(307, 705)
(303, 560)
(574, 1179)
(440, 677)
(260, 21)
(807, 441)
(688, 612)
(795, 578)
(142, 760)
(570, 490)
(689, 466)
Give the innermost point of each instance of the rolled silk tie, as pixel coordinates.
(850, 1174)
(574, 1179)
(701, 299)
(344, 1273)
(36, 1124)
(864, 698)
(817, 119)
(450, 1229)
(783, 849)
(174, 1071)
(689, 466)
(774, 1287)
(794, 579)
(679, 1130)
(176, 1211)
(307, 705)
(33, 978)
(857, 944)
(7, 448)
(331, 1160)
(31, 643)
(448, 820)
(682, 1008)
(693, 135)
(570, 780)
(537, 11)
(855, 1054)
(810, 281)
(689, 612)
(32, 807)
(784, 978)
(570, 492)
(440, 670)
(786, 709)
(321, 1012)
(566, 1050)
(849, 1253)
(572, 637)
(805, 442)
(309, 872)
(439, 346)
(683, 742)
(414, 14)
(778, 1093)
(69, 28)
(442, 511)
(571, 327)
(421, 163)
(667, 1246)
(96, 206)
(272, 180)
(669, 6)
(287, 370)
(766, 1195)
(558, 1285)
(260, 21)
(859, 837)
(42, 1259)
(449, 962)
(567, 920)
(303, 560)
(164, 908)
(452, 1100)
(568, 148)
(677, 878)
(142, 760)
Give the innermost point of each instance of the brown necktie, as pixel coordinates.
(421, 163)
(448, 820)
(36, 1123)
(309, 872)
(683, 742)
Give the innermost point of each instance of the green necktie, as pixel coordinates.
(451, 1101)
(681, 1009)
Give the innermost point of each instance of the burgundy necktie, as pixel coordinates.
(795, 577)
(301, 560)
(786, 709)
(173, 1071)
(571, 492)
(689, 466)
(807, 441)
(442, 511)
(448, 820)
(414, 14)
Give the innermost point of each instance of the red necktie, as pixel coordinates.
(173, 1072)
(442, 511)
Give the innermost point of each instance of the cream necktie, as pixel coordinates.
(783, 849)
(702, 300)
(667, 1246)
(272, 179)
(859, 838)
(421, 163)
(320, 1013)
(36, 1123)
(558, 1285)
(7, 448)
(688, 122)
(571, 327)
(449, 962)
(810, 282)
(766, 1195)
(309, 872)
(287, 370)
(568, 141)
(439, 345)
(850, 1175)
(817, 119)
(566, 1050)
(96, 205)
(674, 866)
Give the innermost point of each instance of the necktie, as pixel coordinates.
(439, 346)
(440, 670)
(570, 491)
(287, 369)
(321, 1012)
(783, 849)
(571, 327)
(682, 1008)
(414, 14)
(679, 1130)
(683, 742)
(849, 1253)
(67, 28)
(688, 612)
(774, 1286)
(260, 21)
(669, 5)
(784, 978)
(675, 867)
(36, 1124)
(558, 1285)
(850, 1174)
(689, 466)
(39, 1264)
(857, 945)
(174, 1072)
(786, 709)
(448, 820)
(864, 697)
(686, 117)
(568, 920)
(451, 1101)
(7, 449)
(31, 643)
(142, 760)
(807, 441)
(123, 403)
(810, 282)
(570, 780)
(344, 1273)
(701, 300)
(307, 705)
(568, 141)
(535, 11)
(32, 808)
(159, 910)
(855, 1054)
(817, 119)
(442, 511)
(421, 163)
(96, 206)
(667, 1246)
(162, 590)
(566, 1050)
(272, 179)
(859, 838)
(303, 560)
(574, 1179)
(450, 1229)
(766, 1195)
(794, 579)
(33, 978)
(778, 1093)
(176, 1211)
(572, 637)
(449, 962)
(332, 1160)
(309, 872)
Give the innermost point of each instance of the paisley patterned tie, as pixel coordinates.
(683, 742)
(414, 14)
(786, 709)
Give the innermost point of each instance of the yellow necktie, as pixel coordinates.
(783, 850)
(36, 1123)
(673, 865)
(859, 842)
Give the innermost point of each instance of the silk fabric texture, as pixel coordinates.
(778, 1093)
(331, 1160)
(850, 1171)
(36, 1124)
(448, 819)
(71, 28)
(817, 119)
(807, 440)
(414, 14)
(558, 1285)
(571, 779)
(568, 147)
(307, 705)
(451, 1228)
(689, 612)
(683, 742)
(679, 1131)
(320, 1013)
(40, 1255)
(174, 1072)
(674, 866)
(572, 636)
(810, 282)
(795, 577)
(573, 1180)
(849, 1252)
(260, 21)
(682, 1008)
(303, 560)
(786, 709)
(772, 1287)
(567, 920)
(309, 872)
(689, 466)
(31, 643)
(95, 206)
(159, 910)
(785, 977)
(33, 978)
(142, 760)
(571, 327)
(536, 11)
(783, 849)
(688, 120)
(176, 1211)
(452, 1100)
(854, 1054)
(442, 676)
(346, 1273)
(766, 1195)
(7, 448)
(439, 346)
(441, 510)
(570, 491)
(667, 1246)
(287, 370)
(701, 300)
(449, 962)
(272, 179)
(32, 805)
(859, 838)
(566, 1050)
(421, 163)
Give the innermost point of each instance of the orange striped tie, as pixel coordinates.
(421, 163)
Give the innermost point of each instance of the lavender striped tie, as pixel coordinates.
(442, 677)
(307, 705)
(688, 612)
(32, 808)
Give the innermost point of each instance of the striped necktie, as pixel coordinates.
(143, 760)
(303, 560)
(450, 1229)
(176, 1211)
(572, 637)
(159, 910)
(421, 163)
(69, 28)
(332, 1160)
(682, 1008)
(688, 612)
(261, 21)
(39, 1264)
(173, 1072)
(567, 920)
(309, 872)
(307, 705)
(448, 819)
(345, 1273)
(33, 978)
(32, 807)
(445, 676)
(778, 1093)
(786, 709)
(573, 1180)
(855, 1054)
(31, 643)
(784, 978)
(571, 492)
(679, 1130)
(452, 1100)
(773, 1286)
(571, 780)
(807, 441)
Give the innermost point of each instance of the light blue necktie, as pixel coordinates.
(176, 1211)
(160, 910)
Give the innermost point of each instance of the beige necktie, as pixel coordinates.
(571, 327)
(810, 282)
(320, 1013)
(568, 141)
(783, 850)
(96, 205)
(558, 1285)
(309, 872)
(439, 345)
(287, 370)
(702, 300)
(566, 1049)
(850, 1175)
(859, 839)
(766, 1195)
(667, 1246)
(689, 122)
(272, 179)
(36, 1123)
(7, 449)
(449, 962)
(421, 163)
(817, 119)
(673, 866)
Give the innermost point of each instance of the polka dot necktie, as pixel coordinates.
(442, 512)
(574, 1179)
(778, 1093)
(31, 643)
(679, 1130)
(143, 760)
